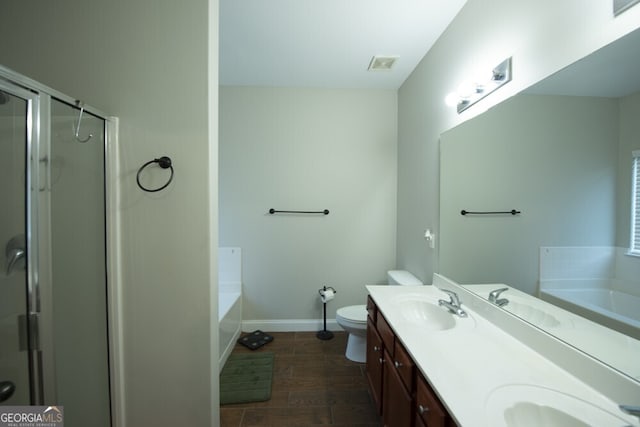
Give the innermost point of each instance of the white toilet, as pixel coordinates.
(353, 318)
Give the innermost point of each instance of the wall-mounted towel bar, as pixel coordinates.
(511, 212)
(324, 212)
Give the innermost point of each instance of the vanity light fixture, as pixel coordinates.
(470, 93)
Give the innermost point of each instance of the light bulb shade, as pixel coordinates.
(469, 94)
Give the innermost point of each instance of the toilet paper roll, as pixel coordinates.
(327, 295)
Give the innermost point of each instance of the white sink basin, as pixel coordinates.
(532, 314)
(521, 405)
(426, 313)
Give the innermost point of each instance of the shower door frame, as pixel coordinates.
(43, 382)
(32, 115)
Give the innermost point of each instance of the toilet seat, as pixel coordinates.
(353, 313)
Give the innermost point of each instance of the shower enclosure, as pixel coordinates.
(54, 338)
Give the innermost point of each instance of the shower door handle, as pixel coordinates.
(12, 258)
(6, 390)
(15, 252)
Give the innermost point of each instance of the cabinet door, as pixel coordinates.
(386, 333)
(428, 406)
(374, 364)
(404, 365)
(419, 422)
(397, 403)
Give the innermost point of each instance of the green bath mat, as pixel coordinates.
(246, 378)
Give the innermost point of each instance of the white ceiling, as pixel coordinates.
(327, 43)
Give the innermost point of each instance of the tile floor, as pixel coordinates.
(314, 384)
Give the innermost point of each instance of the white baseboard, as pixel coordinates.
(289, 325)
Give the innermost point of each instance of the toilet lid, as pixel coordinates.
(354, 313)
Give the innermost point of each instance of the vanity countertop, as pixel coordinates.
(478, 370)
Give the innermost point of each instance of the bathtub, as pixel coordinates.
(230, 319)
(229, 300)
(617, 310)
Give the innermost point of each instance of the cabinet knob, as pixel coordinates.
(397, 364)
(422, 409)
(381, 360)
(376, 348)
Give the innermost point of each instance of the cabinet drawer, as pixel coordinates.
(385, 331)
(428, 406)
(405, 366)
(372, 310)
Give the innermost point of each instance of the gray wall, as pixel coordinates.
(308, 149)
(153, 64)
(542, 37)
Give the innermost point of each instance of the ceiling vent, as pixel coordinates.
(382, 63)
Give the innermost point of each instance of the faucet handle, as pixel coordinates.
(454, 300)
(493, 295)
(631, 410)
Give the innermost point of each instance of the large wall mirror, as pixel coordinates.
(561, 154)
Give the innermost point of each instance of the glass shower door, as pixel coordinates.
(78, 265)
(54, 338)
(14, 356)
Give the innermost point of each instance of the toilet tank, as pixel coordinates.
(402, 278)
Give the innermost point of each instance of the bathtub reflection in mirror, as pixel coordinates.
(561, 154)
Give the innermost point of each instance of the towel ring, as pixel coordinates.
(165, 163)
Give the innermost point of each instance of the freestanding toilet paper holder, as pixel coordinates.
(326, 294)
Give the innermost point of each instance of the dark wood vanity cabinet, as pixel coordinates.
(429, 411)
(401, 394)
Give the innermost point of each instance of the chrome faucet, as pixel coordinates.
(631, 410)
(453, 304)
(493, 297)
